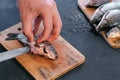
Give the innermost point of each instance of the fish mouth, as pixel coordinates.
(91, 6)
(95, 21)
(98, 29)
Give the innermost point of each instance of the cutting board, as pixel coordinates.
(89, 13)
(39, 67)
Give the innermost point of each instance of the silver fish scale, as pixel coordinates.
(22, 38)
(109, 20)
(103, 9)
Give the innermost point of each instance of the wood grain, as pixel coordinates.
(41, 68)
(89, 13)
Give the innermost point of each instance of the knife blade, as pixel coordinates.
(13, 53)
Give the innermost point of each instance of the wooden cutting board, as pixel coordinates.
(89, 13)
(41, 68)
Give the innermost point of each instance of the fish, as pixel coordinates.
(109, 20)
(96, 3)
(45, 49)
(114, 32)
(100, 11)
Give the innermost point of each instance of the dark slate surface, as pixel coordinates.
(12, 70)
(102, 61)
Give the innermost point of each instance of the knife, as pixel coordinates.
(13, 53)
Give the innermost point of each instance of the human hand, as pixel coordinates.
(37, 10)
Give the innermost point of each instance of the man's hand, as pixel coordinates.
(37, 10)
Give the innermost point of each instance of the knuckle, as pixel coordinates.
(50, 4)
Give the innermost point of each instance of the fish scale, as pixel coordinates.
(109, 20)
(98, 14)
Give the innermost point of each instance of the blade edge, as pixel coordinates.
(13, 53)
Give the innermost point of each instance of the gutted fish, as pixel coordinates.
(44, 49)
(109, 20)
(96, 3)
(103, 9)
(114, 32)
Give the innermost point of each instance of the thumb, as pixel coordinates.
(27, 28)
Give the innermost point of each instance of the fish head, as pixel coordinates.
(49, 50)
(102, 25)
(97, 15)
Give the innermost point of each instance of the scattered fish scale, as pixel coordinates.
(77, 21)
(103, 9)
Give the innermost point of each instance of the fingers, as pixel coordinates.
(27, 28)
(48, 26)
(36, 24)
(51, 20)
(57, 26)
(52, 25)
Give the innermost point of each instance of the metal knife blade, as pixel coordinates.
(13, 53)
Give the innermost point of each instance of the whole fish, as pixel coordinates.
(103, 9)
(114, 32)
(109, 20)
(96, 3)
